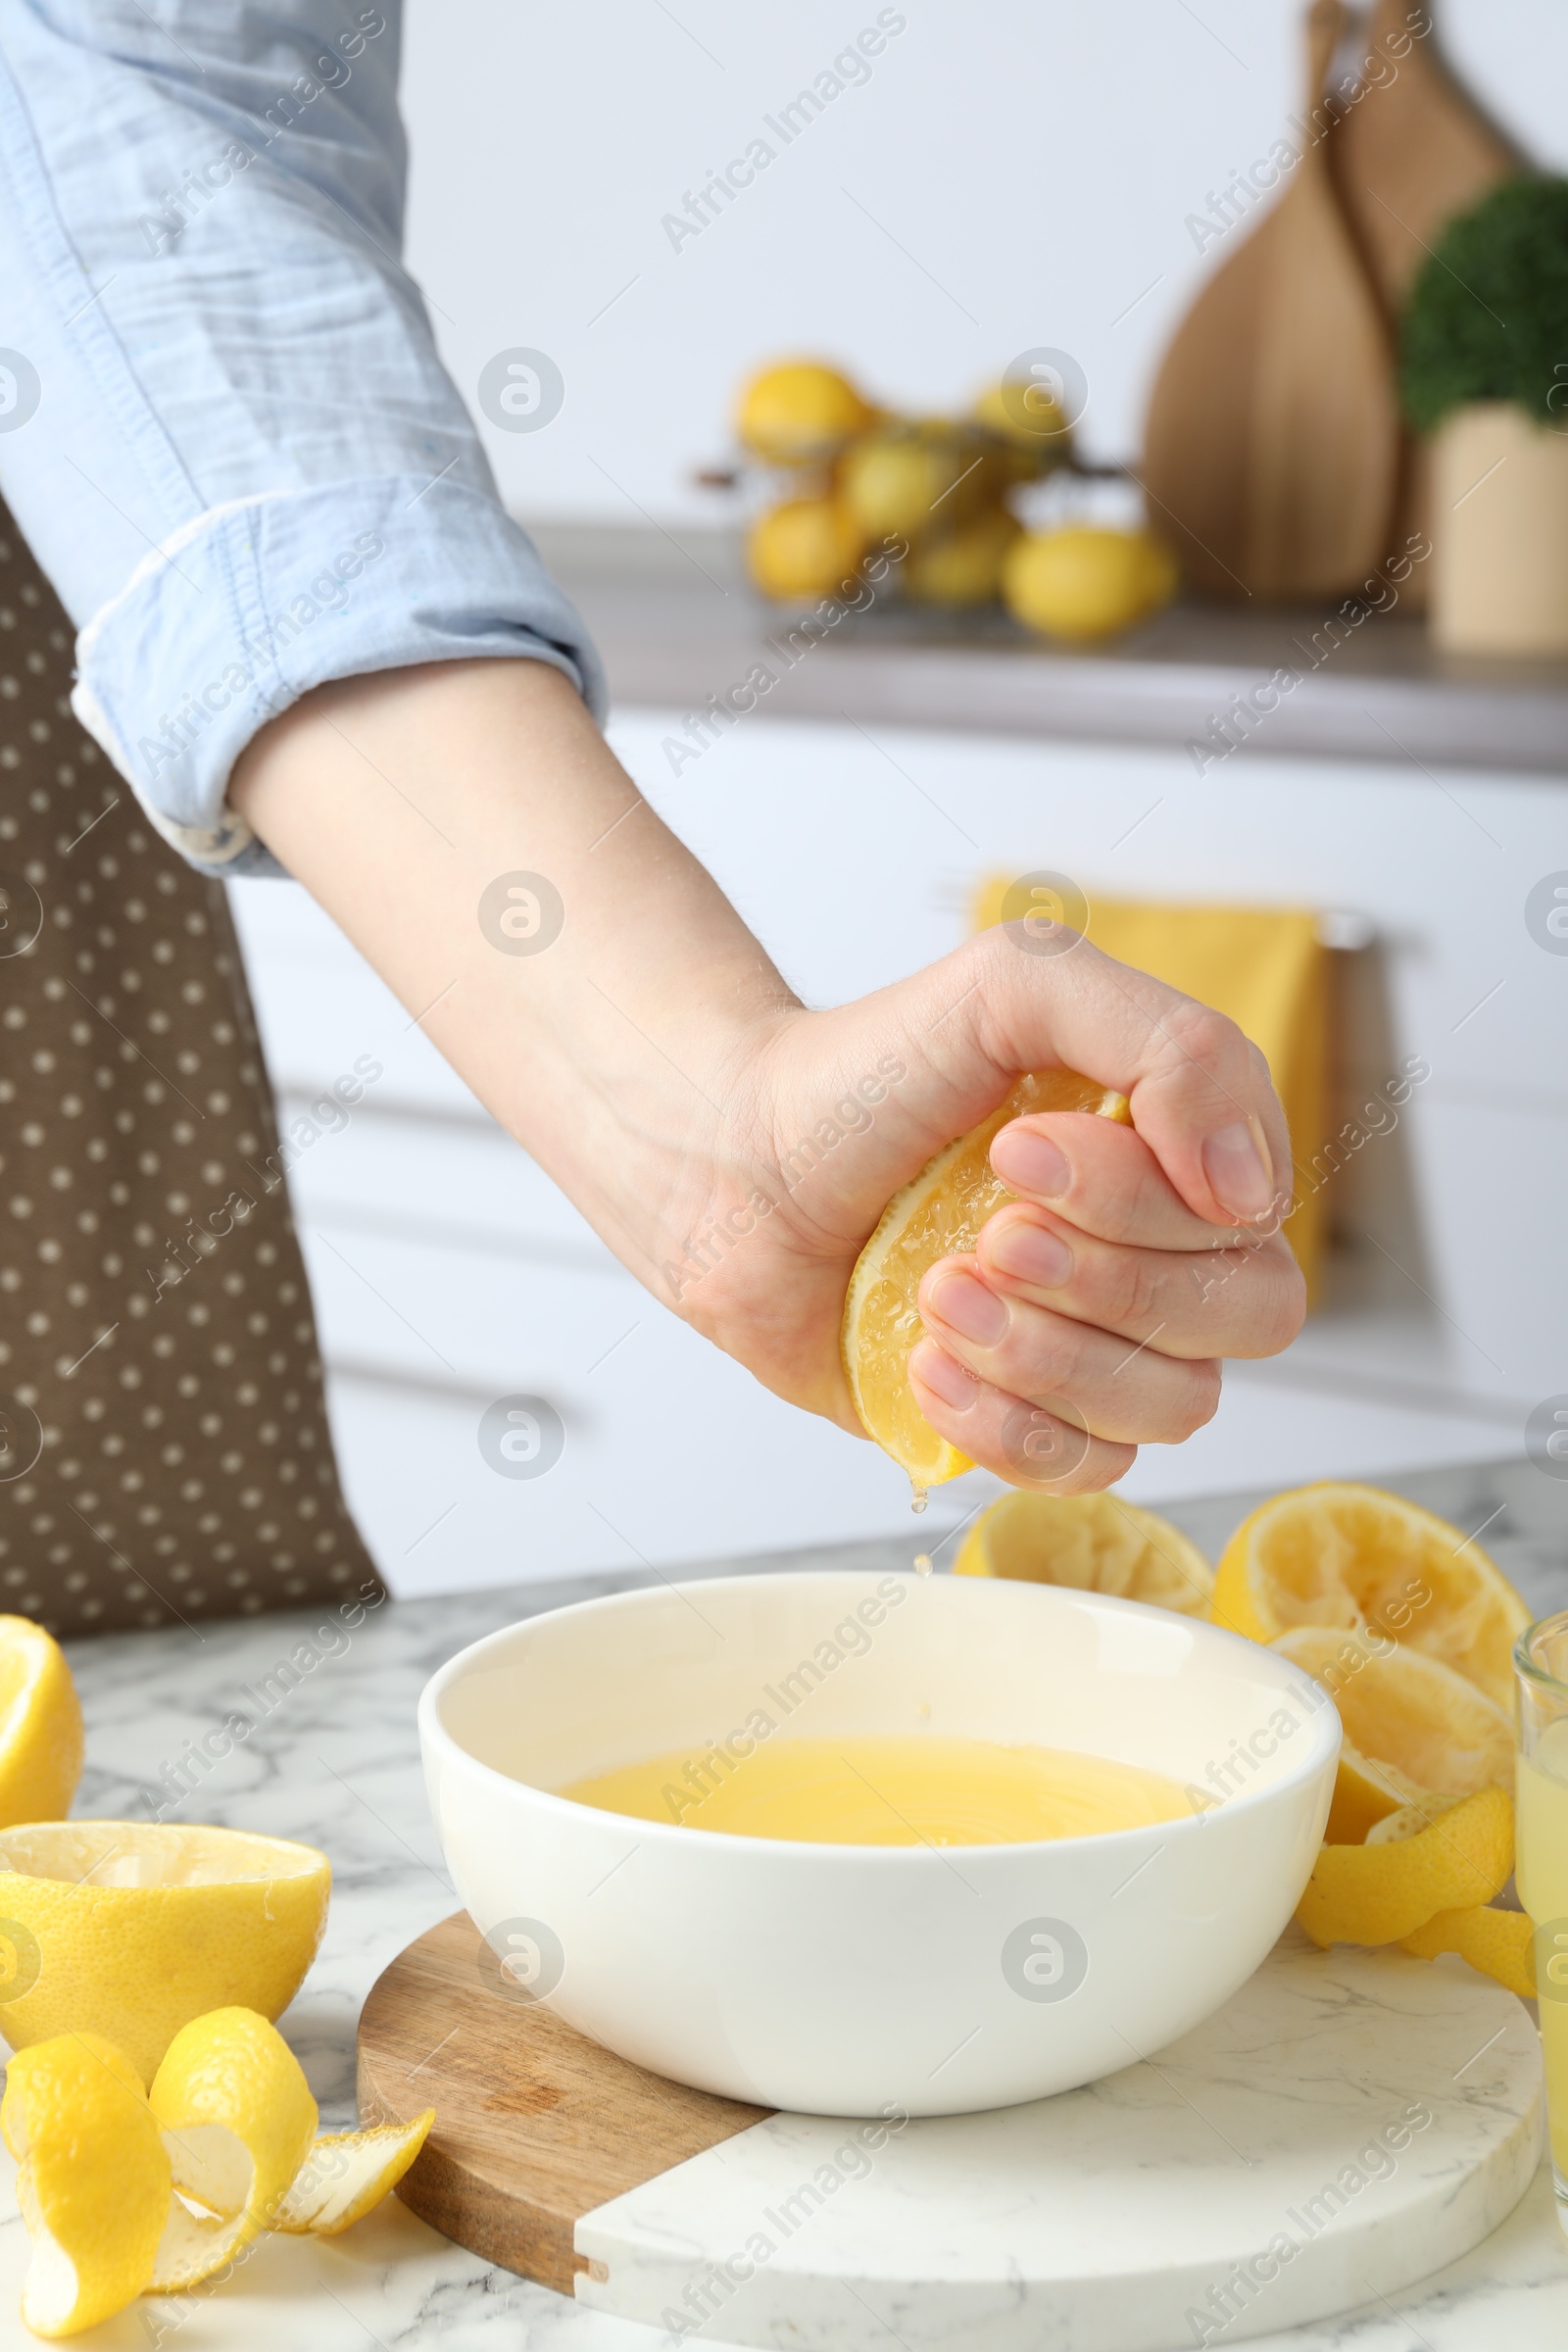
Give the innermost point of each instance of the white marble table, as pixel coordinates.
(336, 1763)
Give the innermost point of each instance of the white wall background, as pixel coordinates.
(1015, 173)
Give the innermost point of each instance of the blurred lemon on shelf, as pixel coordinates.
(1416, 1732)
(1028, 419)
(94, 2183)
(1092, 1543)
(807, 547)
(1083, 584)
(40, 1725)
(800, 414)
(936, 1213)
(1351, 1557)
(962, 567)
(913, 479)
(130, 1929)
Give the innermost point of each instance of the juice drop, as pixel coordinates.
(917, 1497)
(922, 1563)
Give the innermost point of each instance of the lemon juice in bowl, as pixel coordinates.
(1540, 1660)
(889, 1789)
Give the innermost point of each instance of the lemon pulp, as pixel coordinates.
(888, 1789)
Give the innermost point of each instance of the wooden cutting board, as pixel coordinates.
(535, 2125)
(1413, 153)
(1102, 2218)
(1271, 450)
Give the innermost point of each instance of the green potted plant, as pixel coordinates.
(1485, 373)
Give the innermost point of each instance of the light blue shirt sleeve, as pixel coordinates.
(224, 426)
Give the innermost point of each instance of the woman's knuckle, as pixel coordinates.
(1199, 1032)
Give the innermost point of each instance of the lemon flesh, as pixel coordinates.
(1414, 1730)
(1351, 1557)
(937, 1213)
(40, 1725)
(132, 1928)
(1092, 1543)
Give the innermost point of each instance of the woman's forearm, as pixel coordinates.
(472, 833)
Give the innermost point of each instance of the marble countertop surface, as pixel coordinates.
(334, 1762)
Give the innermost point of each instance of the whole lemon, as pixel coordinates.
(1028, 419)
(807, 547)
(1082, 583)
(800, 414)
(962, 567)
(927, 476)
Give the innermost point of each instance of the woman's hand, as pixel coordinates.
(734, 1149)
(1095, 1314)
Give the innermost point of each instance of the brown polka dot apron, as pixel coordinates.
(163, 1447)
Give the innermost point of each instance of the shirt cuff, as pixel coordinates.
(249, 606)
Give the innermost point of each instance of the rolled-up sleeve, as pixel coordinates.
(224, 426)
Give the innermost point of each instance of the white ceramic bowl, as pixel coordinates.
(849, 1979)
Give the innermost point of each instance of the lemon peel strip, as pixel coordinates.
(1375, 1894)
(94, 2181)
(346, 2173)
(237, 2119)
(1498, 1943)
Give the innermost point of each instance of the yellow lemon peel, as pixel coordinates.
(1383, 1894)
(237, 2121)
(94, 2179)
(1496, 1943)
(346, 2173)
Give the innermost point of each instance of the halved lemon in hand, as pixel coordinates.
(130, 1929)
(938, 1212)
(40, 1725)
(1094, 1542)
(1351, 1557)
(1414, 1730)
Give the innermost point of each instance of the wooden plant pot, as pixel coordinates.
(1499, 532)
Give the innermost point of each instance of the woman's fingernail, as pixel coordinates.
(1236, 1174)
(1030, 1162)
(969, 1308)
(1030, 1253)
(937, 1371)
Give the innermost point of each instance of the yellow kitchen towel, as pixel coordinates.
(1268, 969)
